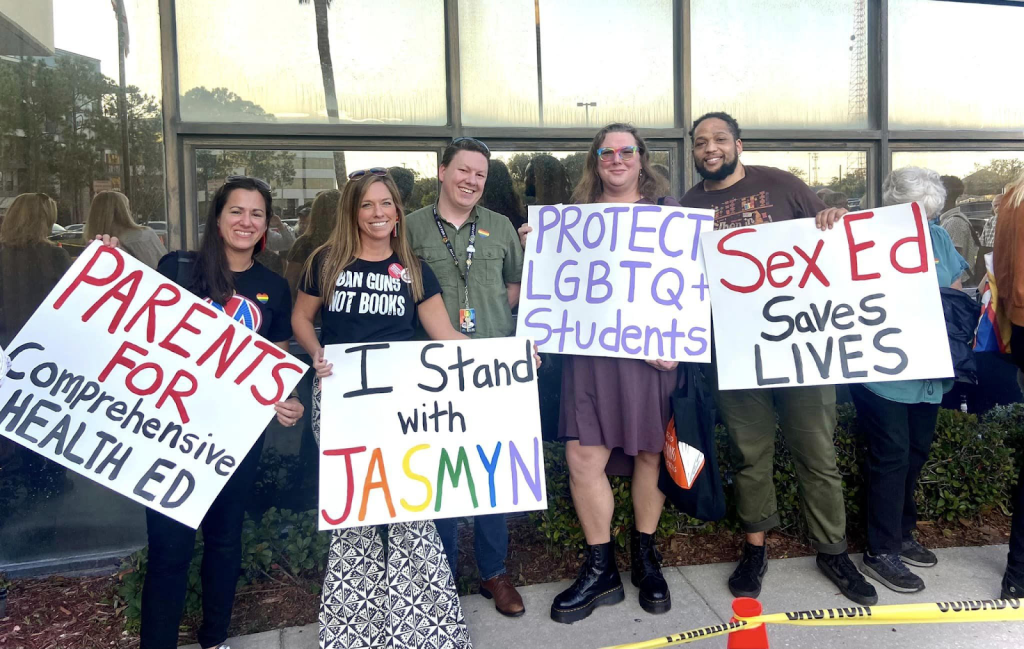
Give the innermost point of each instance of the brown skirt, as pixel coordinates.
(623, 404)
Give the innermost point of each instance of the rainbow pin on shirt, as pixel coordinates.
(263, 298)
(483, 233)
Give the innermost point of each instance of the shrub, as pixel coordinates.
(969, 471)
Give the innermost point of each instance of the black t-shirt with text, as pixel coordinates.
(372, 301)
(262, 301)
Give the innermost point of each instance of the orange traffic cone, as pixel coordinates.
(749, 639)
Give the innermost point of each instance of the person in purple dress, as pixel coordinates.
(614, 412)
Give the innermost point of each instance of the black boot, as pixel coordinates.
(646, 573)
(598, 584)
(745, 580)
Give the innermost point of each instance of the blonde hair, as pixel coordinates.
(344, 246)
(651, 185)
(1013, 195)
(110, 214)
(29, 220)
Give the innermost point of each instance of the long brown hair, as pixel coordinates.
(651, 186)
(344, 246)
(110, 214)
(29, 220)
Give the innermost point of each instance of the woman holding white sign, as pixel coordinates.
(226, 274)
(367, 285)
(897, 418)
(614, 412)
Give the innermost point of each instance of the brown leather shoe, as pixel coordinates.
(506, 598)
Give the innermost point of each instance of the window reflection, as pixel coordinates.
(781, 63)
(358, 62)
(841, 172)
(972, 180)
(60, 134)
(598, 61)
(954, 65)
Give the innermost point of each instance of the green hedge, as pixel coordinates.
(970, 471)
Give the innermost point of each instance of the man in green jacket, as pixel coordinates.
(478, 260)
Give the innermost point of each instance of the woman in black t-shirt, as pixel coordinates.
(226, 274)
(368, 286)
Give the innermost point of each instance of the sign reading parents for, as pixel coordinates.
(414, 431)
(124, 377)
(798, 306)
(613, 279)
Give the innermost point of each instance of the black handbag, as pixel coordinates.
(693, 417)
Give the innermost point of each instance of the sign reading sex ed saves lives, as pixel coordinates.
(797, 306)
(131, 381)
(623, 280)
(415, 431)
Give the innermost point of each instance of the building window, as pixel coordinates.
(781, 63)
(954, 65)
(843, 173)
(352, 62)
(597, 61)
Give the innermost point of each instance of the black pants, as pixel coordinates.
(1015, 560)
(899, 437)
(170, 554)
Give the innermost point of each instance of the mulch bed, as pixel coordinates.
(78, 612)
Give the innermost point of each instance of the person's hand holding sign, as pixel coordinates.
(108, 241)
(829, 217)
(321, 366)
(663, 366)
(524, 230)
(289, 412)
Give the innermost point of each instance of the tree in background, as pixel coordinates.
(323, 44)
(990, 179)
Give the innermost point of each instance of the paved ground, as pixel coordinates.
(700, 598)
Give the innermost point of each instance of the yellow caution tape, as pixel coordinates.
(974, 610)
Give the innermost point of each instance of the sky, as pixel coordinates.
(773, 63)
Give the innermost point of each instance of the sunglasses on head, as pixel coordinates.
(262, 184)
(607, 154)
(473, 140)
(373, 171)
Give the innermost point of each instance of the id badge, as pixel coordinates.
(467, 321)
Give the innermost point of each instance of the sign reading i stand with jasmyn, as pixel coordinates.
(798, 306)
(133, 382)
(414, 431)
(624, 280)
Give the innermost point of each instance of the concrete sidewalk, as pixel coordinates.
(700, 598)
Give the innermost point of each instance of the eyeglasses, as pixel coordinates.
(373, 171)
(607, 154)
(474, 141)
(262, 184)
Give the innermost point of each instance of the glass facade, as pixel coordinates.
(301, 92)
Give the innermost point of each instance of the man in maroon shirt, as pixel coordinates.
(744, 195)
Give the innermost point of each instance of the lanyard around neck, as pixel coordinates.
(470, 247)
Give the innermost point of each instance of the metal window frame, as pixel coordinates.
(878, 140)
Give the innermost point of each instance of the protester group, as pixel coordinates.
(458, 269)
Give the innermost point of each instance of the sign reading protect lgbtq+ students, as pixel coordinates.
(415, 431)
(798, 306)
(612, 279)
(133, 382)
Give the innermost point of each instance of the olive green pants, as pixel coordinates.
(807, 416)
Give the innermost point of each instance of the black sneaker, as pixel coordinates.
(746, 578)
(1013, 587)
(840, 569)
(892, 573)
(915, 554)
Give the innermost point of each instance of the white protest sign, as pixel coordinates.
(415, 431)
(798, 306)
(622, 280)
(133, 382)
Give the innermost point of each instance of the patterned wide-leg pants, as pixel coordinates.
(407, 600)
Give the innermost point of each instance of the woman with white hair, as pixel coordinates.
(897, 418)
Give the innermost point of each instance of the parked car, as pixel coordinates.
(57, 229)
(75, 227)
